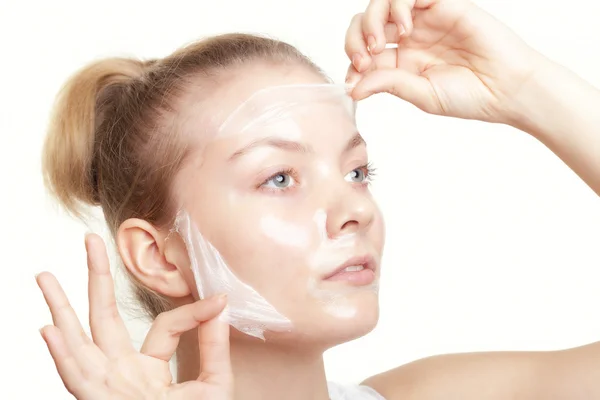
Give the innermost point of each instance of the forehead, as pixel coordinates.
(211, 101)
(287, 109)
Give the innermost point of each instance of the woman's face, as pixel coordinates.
(287, 205)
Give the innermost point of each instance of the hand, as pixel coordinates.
(452, 58)
(109, 367)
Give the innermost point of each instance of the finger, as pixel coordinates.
(387, 59)
(163, 337)
(392, 33)
(108, 330)
(356, 47)
(401, 14)
(413, 60)
(410, 87)
(89, 357)
(66, 365)
(352, 76)
(63, 315)
(373, 22)
(215, 358)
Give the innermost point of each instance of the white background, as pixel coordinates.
(492, 244)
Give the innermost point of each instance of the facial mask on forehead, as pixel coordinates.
(271, 110)
(282, 104)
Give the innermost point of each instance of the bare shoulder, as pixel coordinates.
(572, 374)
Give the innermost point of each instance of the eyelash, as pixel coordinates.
(368, 168)
(370, 172)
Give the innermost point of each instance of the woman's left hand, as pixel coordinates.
(455, 59)
(452, 58)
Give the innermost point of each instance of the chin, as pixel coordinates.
(353, 318)
(325, 324)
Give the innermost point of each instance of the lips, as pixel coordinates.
(353, 265)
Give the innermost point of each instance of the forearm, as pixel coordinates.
(576, 373)
(562, 111)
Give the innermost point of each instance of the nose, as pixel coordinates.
(351, 210)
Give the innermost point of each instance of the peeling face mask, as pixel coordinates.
(280, 216)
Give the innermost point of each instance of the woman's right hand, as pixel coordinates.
(108, 367)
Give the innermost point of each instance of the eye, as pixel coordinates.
(363, 174)
(358, 175)
(282, 180)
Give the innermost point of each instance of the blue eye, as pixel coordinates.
(362, 174)
(279, 181)
(357, 175)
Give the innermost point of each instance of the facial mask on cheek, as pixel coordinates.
(284, 233)
(247, 311)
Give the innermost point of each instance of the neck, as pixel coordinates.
(262, 370)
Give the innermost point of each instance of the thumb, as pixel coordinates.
(410, 87)
(215, 358)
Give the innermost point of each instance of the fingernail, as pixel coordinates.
(372, 44)
(351, 81)
(42, 333)
(401, 30)
(356, 58)
(222, 297)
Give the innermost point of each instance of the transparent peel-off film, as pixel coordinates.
(279, 110)
(271, 105)
(247, 311)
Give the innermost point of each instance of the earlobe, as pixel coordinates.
(143, 249)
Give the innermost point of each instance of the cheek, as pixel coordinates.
(379, 228)
(266, 255)
(284, 233)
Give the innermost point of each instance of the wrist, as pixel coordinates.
(560, 109)
(536, 99)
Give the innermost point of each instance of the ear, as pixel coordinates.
(156, 262)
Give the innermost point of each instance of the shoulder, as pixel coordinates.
(569, 374)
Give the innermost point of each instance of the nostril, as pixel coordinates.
(350, 226)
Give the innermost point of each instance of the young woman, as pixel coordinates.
(137, 139)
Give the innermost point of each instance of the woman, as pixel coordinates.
(452, 59)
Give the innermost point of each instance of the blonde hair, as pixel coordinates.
(108, 143)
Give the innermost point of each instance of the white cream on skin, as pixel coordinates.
(284, 233)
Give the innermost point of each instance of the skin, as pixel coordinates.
(453, 59)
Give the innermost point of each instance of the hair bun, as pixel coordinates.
(68, 154)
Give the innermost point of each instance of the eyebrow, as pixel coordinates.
(357, 140)
(290, 145)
